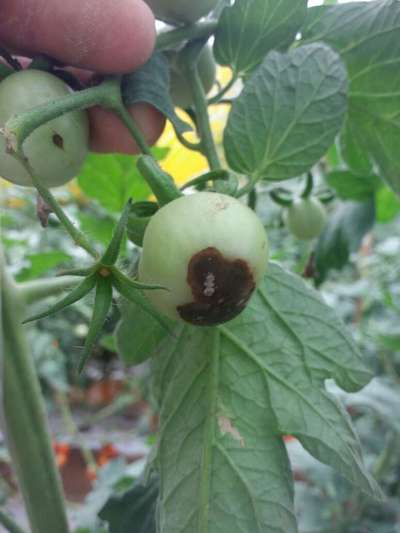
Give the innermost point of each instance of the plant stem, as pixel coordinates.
(218, 97)
(125, 116)
(39, 289)
(169, 39)
(19, 127)
(77, 236)
(9, 524)
(24, 420)
(73, 430)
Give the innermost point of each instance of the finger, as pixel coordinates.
(101, 35)
(108, 134)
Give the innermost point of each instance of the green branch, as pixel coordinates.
(39, 289)
(27, 435)
(171, 38)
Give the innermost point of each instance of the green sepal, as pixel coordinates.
(111, 254)
(77, 272)
(136, 285)
(128, 290)
(5, 71)
(102, 304)
(138, 220)
(160, 182)
(280, 200)
(213, 175)
(76, 294)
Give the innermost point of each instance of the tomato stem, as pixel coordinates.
(190, 56)
(309, 186)
(19, 127)
(23, 412)
(160, 182)
(40, 289)
(169, 39)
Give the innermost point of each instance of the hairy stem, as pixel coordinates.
(169, 39)
(24, 420)
(39, 289)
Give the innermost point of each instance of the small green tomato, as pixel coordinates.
(55, 150)
(181, 11)
(306, 218)
(179, 86)
(210, 251)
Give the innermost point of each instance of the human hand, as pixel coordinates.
(93, 36)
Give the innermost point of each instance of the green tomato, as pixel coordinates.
(55, 150)
(306, 218)
(179, 86)
(210, 252)
(181, 11)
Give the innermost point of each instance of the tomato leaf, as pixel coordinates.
(367, 35)
(343, 235)
(229, 394)
(134, 510)
(113, 178)
(262, 26)
(137, 334)
(288, 113)
(150, 84)
(352, 186)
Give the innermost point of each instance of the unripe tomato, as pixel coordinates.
(55, 150)
(179, 86)
(210, 251)
(306, 218)
(181, 11)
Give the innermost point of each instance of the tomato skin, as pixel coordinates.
(210, 251)
(181, 11)
(55, 150)
(306, 218)
(179, 85)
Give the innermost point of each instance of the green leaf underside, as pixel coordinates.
(150, 84)
(102, 304)
(288, 114)
(227, 396)
(343, 235)
(367, 35)
(250, 29)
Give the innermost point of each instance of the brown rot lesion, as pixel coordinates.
(220, 287)
(58, 140)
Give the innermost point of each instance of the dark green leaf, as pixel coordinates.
(288, 114)
(73, 296)
(102, 304)
(343, 235)
(134, 511)
(98, 228)
(113, 178)
(227, 396)
(250, 29)
(137, 334)
(150, 84)
(387, 206)
(350, 186)
(368, 37)
(41, 263)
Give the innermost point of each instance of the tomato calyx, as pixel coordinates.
(221, 288)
